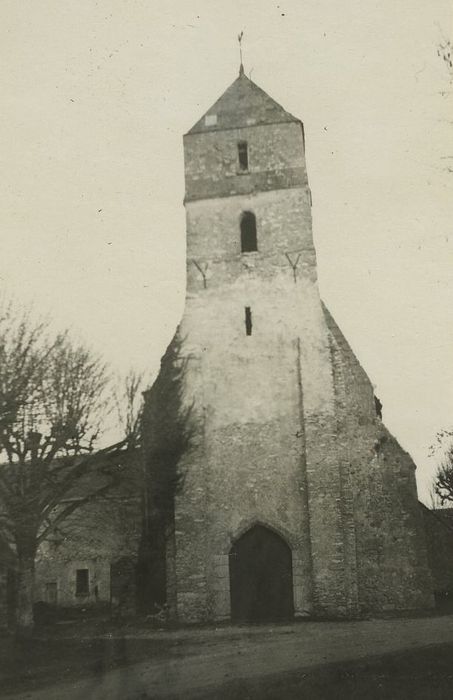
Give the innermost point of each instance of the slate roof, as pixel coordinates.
(242, 104)
(124, 464)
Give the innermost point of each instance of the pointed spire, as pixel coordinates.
(241, 102)
(241, 66)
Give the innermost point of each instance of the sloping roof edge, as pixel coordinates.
(263, 108)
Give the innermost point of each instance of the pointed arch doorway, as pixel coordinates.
(261, 577)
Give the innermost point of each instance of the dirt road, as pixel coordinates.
(204, 660)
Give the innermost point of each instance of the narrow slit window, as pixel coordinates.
(243, 154)
(248, 320)
(249, 242)
(82, 582)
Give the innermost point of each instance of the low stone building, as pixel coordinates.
(90, 561)
(82, 567)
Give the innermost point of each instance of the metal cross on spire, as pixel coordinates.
(241, 67)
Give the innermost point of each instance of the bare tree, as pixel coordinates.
(442, 485)
(54, 394)
(443, 480)
(129, 404)
(434, 500)
(444, 51)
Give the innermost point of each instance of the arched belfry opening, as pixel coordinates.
(249, 241)
(261, 577)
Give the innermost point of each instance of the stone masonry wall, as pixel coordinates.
(275, 161)
(391, 557)
(439, 536)
(266, 448)
(286, 433)
(93, 537)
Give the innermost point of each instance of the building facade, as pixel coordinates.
(294, 498)
(90, 560)
(289, 497)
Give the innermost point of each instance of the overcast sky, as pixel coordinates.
(95, 99)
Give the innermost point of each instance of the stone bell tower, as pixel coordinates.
(289, 504)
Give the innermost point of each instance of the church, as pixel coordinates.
(293, 498)
(267, 486)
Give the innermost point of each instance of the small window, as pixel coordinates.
(248, 320)
(51, 593)
(82, 582)
(243, 155)
(210, 120)
(248, 232)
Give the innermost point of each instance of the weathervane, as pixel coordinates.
(241, 67)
